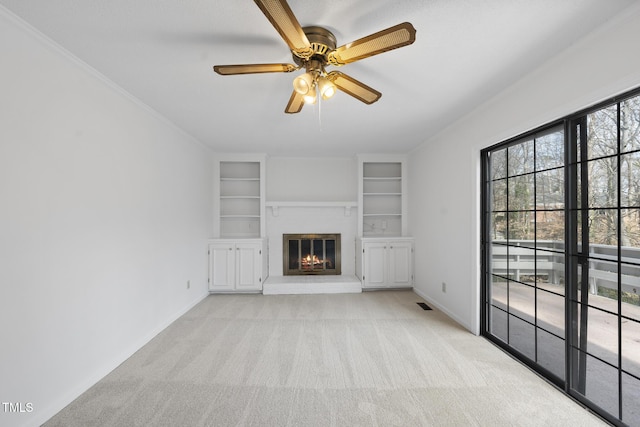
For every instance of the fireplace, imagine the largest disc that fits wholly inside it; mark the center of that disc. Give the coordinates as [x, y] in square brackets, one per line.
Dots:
[305, 254]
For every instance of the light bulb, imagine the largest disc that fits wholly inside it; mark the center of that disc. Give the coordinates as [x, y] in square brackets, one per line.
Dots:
[303, 83]
[310, 97]
[326, 87]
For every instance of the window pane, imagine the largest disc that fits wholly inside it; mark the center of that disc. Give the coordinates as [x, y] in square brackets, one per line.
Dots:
[499, 259]
[551, 353]
[630, 285]
[522, 337]
[631, 232]
[550, 271]
[603, 183]
[630, 180]
[498, 162]
[522, 300]
[499, 195]
[602, 132]
[549, 226]
[630, 398]
[602, 335]
[631, 347]
[520, 158]
[603, 227]
[550, 150]
[498, 292]
[602, 385]
[498, 226]
[498, 322]
[550, 189]
[551, 312]
[521, 193]
[522, 228]
[603, 281]
[521, 264]
[630, 124]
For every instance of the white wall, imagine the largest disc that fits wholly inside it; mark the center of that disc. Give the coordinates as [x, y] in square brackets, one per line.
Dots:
[105, 212]
[444, 176]
[325, 179]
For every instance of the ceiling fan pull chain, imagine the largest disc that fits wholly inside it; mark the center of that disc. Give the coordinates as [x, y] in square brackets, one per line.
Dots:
[320, 113]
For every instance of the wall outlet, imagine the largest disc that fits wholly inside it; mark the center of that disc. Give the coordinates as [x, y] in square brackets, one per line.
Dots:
[188, 284]
[444, 287]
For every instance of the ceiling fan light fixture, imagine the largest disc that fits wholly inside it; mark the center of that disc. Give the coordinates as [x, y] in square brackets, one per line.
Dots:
[303, 83]
[326, 87]
[310, 97]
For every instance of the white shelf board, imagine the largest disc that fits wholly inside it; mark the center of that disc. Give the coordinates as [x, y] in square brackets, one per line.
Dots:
[275, 205]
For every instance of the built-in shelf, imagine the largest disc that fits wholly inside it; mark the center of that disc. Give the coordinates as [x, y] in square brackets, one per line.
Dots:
[382, 178]
[381, 195]
[238, 179]
[240, 196]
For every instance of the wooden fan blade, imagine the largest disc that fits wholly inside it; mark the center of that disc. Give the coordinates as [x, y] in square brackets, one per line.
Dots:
[296, 102]
[227, 70]
[392, 38]
[285, 22]
[354, 88]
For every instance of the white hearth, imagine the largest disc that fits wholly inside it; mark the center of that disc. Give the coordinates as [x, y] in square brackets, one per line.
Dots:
[283, 285]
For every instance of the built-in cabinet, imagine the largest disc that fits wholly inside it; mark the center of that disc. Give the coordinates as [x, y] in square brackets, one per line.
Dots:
[385, 262]
[382, 195]
[237, 265]
[238, 252]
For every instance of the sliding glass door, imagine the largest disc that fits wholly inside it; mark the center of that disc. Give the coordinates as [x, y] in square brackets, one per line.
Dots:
[561, 254]
[604, 309]
[524, 281]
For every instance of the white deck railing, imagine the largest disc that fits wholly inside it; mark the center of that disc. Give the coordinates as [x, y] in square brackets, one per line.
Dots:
[520, 260]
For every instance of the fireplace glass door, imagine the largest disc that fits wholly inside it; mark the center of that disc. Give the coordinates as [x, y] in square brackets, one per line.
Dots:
[311, 254]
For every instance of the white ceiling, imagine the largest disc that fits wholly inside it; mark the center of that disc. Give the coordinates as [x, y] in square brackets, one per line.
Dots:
[162, 52]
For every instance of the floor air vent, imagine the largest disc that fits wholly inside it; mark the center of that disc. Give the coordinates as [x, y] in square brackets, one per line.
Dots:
[424, 306]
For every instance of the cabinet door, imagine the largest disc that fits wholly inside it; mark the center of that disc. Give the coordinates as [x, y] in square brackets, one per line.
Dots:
[248, 266]
[375, 265]
[400, 264]
[221, 267]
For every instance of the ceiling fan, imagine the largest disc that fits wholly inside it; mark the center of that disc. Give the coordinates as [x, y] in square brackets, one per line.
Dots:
[314, 48]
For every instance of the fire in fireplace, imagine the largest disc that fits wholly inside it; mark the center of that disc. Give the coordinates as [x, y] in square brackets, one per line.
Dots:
[304, 254]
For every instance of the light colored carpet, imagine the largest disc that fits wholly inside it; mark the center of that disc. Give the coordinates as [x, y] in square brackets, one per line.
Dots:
[370, 359]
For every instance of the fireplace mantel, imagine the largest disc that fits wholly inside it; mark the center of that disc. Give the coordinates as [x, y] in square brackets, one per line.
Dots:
[306, 204]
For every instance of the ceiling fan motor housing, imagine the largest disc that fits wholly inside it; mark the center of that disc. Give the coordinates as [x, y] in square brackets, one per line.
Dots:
[322, 42]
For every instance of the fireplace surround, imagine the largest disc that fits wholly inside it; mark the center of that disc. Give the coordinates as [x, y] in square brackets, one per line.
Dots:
[311, 254]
